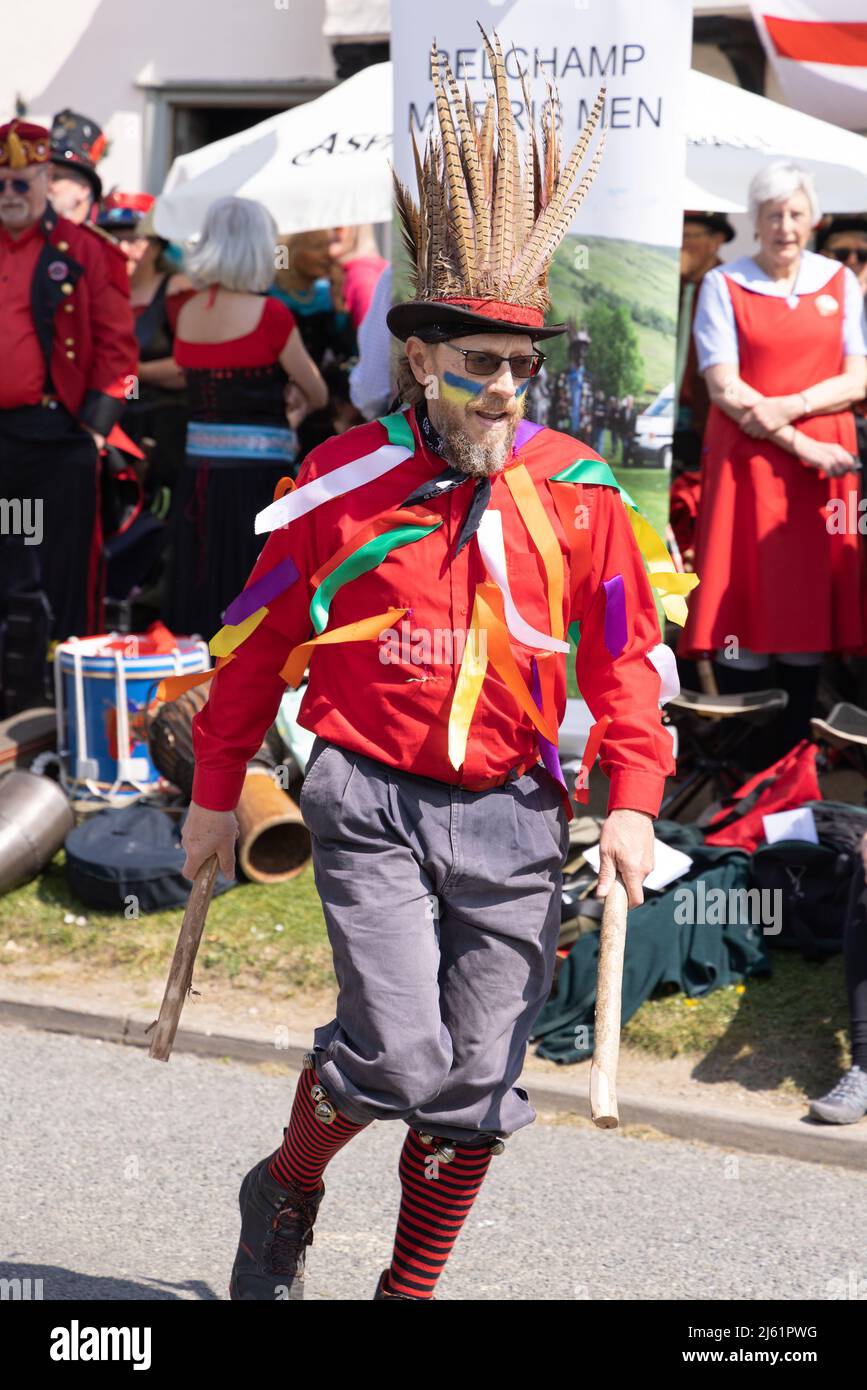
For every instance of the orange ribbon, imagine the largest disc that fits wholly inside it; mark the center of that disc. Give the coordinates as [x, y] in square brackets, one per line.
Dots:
[296, 663]
[591, 749]
[172, 686]
[543, 536]
[492, 619]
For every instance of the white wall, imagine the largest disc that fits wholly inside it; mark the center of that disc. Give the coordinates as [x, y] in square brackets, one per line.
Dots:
[89, 55]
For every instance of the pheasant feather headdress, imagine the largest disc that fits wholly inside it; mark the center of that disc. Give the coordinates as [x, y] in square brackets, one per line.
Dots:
[486, 224]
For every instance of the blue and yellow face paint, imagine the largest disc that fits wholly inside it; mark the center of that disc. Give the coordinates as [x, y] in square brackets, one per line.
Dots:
[460, 390]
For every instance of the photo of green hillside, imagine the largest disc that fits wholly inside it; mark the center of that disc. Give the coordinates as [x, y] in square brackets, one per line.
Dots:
[642, 280]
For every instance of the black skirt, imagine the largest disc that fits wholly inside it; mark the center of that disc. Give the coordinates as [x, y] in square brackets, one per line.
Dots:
[213, 544]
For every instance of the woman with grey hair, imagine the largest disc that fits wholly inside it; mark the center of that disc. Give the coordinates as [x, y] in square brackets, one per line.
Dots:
[250, 383]
[782, 343]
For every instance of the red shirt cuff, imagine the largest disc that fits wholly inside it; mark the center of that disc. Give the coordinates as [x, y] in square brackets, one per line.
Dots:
[217, 790]
[636, 791]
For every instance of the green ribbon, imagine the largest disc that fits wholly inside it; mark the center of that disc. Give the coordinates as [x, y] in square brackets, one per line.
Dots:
[593, 471]
[365, 558]
[397, 427]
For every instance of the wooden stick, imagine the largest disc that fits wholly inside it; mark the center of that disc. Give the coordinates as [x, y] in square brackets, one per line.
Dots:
[606, 1040]
[181, 971]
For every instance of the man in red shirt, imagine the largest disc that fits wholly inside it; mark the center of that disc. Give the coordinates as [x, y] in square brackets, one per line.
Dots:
[69, 352]
[427, 567]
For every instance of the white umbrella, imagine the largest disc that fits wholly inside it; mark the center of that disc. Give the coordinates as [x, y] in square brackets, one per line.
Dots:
[327, 163]
[322, 164]
[732, 133]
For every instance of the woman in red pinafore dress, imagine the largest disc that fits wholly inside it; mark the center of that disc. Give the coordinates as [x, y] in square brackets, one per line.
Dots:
[239, 349]
[781, 340]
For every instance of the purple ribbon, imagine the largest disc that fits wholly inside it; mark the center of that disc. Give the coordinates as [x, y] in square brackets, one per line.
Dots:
[524, 433]
[615, 615]
[548, 750]
[261, 591]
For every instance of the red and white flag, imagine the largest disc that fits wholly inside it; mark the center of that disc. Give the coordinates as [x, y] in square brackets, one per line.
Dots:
[818, 49]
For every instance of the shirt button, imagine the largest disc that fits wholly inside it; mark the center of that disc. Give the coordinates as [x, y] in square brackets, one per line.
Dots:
[70, 308]
[67, 289]
[71, 354]
[70, 342]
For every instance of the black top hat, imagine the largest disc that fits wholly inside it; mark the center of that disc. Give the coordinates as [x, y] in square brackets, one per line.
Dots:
[77, 142]
[437, 321]
[714, 221]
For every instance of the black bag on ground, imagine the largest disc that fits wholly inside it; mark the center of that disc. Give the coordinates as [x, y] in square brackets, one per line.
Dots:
[813, 880]
[134, 850]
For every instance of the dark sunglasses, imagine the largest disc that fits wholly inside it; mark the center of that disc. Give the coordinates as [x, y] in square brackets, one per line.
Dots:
[842, 253]
[18, 185]
[487, 363]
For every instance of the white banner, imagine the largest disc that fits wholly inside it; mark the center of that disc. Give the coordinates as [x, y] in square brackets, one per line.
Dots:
[614, 279]
[642, 53]
[818, 50]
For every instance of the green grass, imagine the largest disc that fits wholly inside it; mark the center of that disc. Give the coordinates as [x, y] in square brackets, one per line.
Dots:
[788, 1032]
[240, 942]
[649, 489]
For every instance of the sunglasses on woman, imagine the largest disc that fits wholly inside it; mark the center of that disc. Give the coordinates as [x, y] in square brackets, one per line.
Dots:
[487, 363]
[842, 253]
[18, 185]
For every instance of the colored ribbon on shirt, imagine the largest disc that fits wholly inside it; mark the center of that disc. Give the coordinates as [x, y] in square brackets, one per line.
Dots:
[362, 559]
[591, 750]
[492, 620]
[550, 755]
[231, 636]
[492, 547]
[473, 668]
[346, 478]
[170, 687]
[543, 536]
[262, 591]
[489, 618]
[296, 663]
[670, 585]
[616, 630]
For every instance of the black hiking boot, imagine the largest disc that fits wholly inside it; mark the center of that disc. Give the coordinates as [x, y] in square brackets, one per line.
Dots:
[276, 1228]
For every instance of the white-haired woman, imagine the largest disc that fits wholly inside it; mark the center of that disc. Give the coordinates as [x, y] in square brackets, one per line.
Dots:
[239, 348]
[781, 342]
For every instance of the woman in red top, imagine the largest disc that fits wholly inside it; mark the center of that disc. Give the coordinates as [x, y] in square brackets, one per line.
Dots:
[239, 350]
[781, 342]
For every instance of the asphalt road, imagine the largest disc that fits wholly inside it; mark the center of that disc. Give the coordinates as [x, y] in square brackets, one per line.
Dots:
[119, 1179]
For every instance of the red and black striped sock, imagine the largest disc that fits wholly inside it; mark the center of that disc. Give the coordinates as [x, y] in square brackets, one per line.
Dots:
[432, 1211]
[308, 1144]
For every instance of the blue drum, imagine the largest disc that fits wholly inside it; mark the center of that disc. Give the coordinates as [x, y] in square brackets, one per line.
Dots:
[105, 688]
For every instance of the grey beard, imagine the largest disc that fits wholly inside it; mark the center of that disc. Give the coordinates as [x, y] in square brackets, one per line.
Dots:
[477, 460]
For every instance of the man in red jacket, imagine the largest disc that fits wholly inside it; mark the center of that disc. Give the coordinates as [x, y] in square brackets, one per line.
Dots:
[427, 567]
[69, 355]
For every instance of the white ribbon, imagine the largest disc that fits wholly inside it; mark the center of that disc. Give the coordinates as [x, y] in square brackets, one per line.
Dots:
[664, 662]
[334, 484]
[490, 538]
